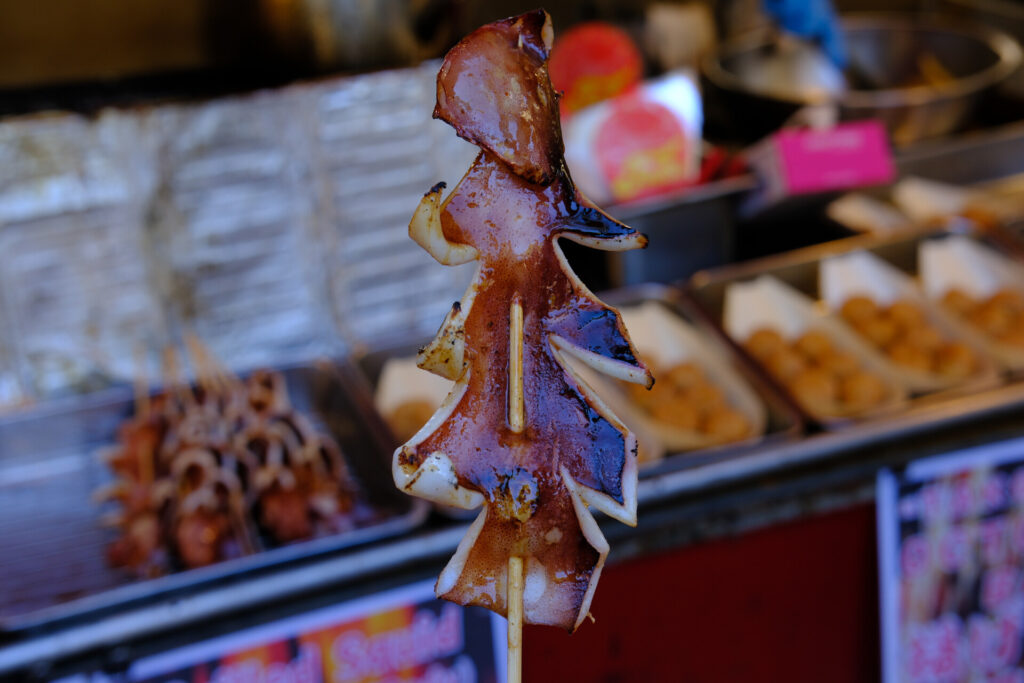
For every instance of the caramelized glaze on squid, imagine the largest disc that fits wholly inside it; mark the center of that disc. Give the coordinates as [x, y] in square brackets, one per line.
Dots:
[520, 434]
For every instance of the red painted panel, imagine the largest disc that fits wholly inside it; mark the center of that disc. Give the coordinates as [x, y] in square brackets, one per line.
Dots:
[794, 602]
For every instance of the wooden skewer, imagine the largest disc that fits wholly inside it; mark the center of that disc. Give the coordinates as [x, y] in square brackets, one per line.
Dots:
[515, 620]
[220, 378]
[140, 385]
[516, 417]
[172, 377]
[206, 372]
[199, 366]
[147, 457]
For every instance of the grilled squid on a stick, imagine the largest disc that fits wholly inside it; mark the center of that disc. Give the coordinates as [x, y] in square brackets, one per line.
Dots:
[520, 434]
[208, 519]
[200, 467]
[301, 483]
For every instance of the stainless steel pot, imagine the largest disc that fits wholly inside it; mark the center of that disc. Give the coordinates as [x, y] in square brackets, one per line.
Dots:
[1005, 15]
[884, 53]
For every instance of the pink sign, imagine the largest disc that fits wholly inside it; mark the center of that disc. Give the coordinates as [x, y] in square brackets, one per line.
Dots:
[849, 155]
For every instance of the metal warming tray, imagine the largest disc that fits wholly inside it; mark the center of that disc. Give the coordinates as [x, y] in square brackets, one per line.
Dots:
[800, 269]
[53, 569]
[783, 421]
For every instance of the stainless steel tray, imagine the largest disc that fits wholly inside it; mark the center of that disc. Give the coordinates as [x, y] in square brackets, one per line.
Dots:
[53, 567]
[784, 422]
[799, 269]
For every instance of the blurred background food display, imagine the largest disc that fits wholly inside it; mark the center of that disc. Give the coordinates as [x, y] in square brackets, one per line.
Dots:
[833, 194]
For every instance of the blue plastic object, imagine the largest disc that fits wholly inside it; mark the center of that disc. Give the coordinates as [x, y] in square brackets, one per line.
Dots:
[814, 20]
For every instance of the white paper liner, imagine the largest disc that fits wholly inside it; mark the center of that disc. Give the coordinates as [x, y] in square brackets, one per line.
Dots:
[767, 302]
[861, 273]
[401, 381]
[918, 202]
[1002, 198]
[929, 200]
[664, 340]
[862, 213]
[960, 263]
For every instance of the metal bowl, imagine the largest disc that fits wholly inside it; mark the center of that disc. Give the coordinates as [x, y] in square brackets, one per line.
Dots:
[884, 55]
[1006, 15]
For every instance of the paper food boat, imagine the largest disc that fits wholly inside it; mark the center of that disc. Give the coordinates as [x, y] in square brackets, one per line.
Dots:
[861, 273]
[920, 203]
[767, 302]
[960, 263]
[664, 340]
[863, 213]
[401, 381]
[928, 201]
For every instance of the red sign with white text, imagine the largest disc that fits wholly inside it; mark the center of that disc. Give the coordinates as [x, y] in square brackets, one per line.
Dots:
[401, 635]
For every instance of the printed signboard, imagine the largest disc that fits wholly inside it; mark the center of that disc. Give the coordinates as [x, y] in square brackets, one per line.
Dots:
[951, 555]
[401, 635]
